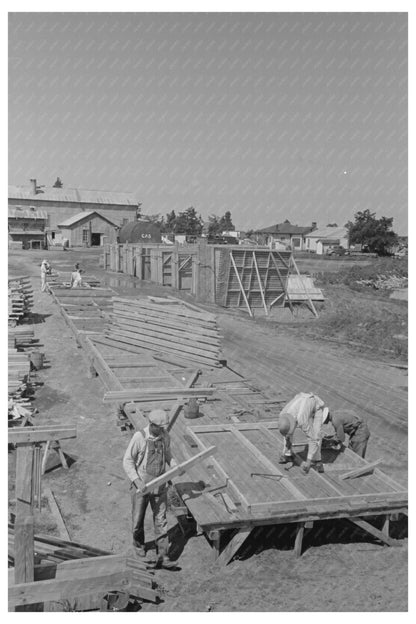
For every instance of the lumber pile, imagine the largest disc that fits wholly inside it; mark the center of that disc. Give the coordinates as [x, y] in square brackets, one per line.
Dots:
[79, 574]
[18, 372]
[20, 299]
[165, 326]
[21, 336]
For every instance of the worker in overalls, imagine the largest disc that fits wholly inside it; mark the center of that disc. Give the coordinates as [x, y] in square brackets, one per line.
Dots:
[355, 427]
[146, 458]
[45, 270]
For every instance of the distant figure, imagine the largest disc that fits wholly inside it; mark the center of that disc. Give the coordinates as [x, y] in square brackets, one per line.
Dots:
[308, 412]
[45, 270]
[355, 427]
[76, 278]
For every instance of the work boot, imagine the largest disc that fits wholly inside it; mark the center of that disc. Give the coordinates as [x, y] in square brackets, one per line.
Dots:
[139, 550]
[285, 459]
[318, 466]
[167, 564]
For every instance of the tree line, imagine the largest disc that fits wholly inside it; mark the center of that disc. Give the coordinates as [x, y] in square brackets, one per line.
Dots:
[189, 222]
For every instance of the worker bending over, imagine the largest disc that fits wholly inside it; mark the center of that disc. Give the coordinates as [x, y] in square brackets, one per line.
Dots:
[144, 460]
[308, 412]
[355, 427]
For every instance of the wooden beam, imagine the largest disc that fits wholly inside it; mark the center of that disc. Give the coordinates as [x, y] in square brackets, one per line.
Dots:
[362, 470]
[29, 435]
[366, 526]
[137, 394]
[300, 530]
[233, 546]
[241, 285]
[53, 505]
[177, 470]
[260, 284]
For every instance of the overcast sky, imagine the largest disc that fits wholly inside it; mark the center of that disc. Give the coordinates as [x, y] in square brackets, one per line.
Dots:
[271, 116]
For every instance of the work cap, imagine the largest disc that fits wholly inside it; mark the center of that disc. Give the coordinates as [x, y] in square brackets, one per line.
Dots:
[325, 414]
[159, 417]
[287, 424]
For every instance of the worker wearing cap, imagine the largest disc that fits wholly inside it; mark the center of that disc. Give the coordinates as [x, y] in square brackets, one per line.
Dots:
[308, 412]
[355, 427]
[145, 459]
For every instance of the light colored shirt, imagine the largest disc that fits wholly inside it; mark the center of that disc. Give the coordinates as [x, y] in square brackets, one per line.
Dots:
[135, 457]
[307, 410]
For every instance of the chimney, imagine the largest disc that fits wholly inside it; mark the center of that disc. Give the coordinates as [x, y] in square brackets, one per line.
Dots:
[33, 185]
[314, 225]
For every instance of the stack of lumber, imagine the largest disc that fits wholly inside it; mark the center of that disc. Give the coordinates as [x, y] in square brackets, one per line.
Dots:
[167, 326]
[18, 372]
[20, 300]
[21, 336]
[66, 570]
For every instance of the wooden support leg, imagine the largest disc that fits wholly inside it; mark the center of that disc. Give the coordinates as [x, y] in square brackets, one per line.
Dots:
[61, 456]
[366, 526]
[215, 536]
[299, 538]
[386, 525]
[233, 546]
[45, 456]
[24, 556]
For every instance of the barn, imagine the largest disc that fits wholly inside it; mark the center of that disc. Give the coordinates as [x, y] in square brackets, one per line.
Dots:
[88, 229]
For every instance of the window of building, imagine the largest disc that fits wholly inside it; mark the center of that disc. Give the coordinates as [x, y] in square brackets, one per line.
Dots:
[296, 242]
[53, 235]
[85, 236]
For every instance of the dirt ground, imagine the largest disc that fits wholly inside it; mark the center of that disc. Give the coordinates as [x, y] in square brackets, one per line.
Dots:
[340, 570]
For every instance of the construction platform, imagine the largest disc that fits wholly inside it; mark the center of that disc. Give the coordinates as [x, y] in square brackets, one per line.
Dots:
[242, 486]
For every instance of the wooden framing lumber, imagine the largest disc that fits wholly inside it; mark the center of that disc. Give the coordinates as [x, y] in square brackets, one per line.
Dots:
[177, 470]
[53, 505]
[362, 470]
[369, 528]
[233, 546]
[174, 412]
[241, 285]
[28, 435]
[138, 394]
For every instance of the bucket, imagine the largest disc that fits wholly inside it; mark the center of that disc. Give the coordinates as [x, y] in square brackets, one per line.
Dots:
[36, 358]
[191, 409]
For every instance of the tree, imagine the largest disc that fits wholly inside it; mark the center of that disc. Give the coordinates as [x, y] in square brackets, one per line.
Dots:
[332, 225]
[226, 223]
[58, 183]
[214, 228]
[188, 222]
[376, 233]
[170, 222]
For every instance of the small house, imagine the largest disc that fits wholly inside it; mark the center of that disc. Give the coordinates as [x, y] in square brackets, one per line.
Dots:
[284, 234]
[27, 225]
[86, 229]
[320, 240]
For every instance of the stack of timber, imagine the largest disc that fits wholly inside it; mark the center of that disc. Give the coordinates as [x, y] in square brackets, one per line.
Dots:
[21, 337]
[18, 372]
[80, 575]
[20, 300]
[167, 326]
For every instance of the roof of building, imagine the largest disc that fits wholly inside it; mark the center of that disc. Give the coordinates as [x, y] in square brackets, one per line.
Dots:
[328, 232]
[79, 196]
[285, 228]
[80, 216]
[26, 233]
[18, 212]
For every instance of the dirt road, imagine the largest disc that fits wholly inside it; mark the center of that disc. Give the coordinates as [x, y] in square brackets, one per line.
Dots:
[341, 569]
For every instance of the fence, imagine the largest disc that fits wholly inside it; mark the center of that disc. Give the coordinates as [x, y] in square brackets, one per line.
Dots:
[229, 275]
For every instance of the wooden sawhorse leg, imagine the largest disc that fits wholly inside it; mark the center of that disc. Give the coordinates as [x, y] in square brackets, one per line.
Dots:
[233, 546]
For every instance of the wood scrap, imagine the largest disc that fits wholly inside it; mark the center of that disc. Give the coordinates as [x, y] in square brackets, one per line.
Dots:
[362, 470]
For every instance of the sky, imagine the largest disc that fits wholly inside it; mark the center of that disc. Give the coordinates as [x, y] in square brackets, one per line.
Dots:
[272, 116]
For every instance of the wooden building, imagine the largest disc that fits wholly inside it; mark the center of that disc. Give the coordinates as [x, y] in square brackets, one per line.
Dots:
[287, 234]
[63, 203]
[27, 226]
[87, 229]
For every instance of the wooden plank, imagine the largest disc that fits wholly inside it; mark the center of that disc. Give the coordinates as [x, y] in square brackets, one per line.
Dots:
[177, 470]
[175, 410]
[240, 284]
[300, 530]
[63, 531]
[362, 470]
[99, 358]
[268, 464]
[366, 526]
[137, 394]
[27, 435]
[42, 591]
[233, 546]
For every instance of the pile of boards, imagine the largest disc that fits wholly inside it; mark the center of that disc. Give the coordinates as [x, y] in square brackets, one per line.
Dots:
[166, 326]
[20, 345]
[20, 299]
[97, 572]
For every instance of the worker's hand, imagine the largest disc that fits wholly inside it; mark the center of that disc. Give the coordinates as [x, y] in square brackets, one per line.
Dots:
[139, 485]
[337, 446]
[306, 466]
